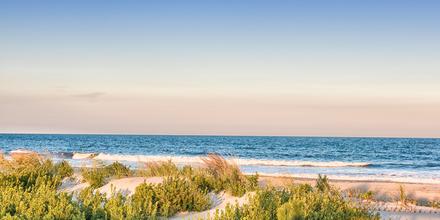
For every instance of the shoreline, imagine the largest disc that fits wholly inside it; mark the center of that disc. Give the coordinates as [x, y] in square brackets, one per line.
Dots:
[339, 180]
[383, 190]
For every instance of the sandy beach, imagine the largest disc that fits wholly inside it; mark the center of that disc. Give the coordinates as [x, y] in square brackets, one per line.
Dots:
[384, 191]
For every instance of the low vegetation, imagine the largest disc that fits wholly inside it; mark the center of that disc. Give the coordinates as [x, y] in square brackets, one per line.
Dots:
[297, 202]
[98, 176]
[29, 190]
[435, 204]
[217, 174]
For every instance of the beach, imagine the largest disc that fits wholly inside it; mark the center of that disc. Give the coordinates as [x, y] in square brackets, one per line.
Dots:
[400, 182]
[385, 191]
[385, 200]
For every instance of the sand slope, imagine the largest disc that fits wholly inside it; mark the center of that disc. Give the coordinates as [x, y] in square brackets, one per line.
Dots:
[127, 185]
[218, 201]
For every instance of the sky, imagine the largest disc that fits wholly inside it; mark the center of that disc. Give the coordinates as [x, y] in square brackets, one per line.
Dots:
[299, 68]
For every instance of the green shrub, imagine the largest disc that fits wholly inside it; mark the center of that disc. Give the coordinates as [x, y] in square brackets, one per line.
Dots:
[92, 204]
[24, 171]
[63, 169]
[173, 195]
[227, 176]
[96, 177]
[434, 204]
[39, 202]
[297, 202]
[28, 191]
[118, 170]
[116, 207]
[159, 169]
[322, 183]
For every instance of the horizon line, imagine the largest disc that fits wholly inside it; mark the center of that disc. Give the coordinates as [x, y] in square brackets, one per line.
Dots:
[216, 135]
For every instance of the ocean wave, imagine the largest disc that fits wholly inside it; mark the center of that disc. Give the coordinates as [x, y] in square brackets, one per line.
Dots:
[239, 161]
[83, 155]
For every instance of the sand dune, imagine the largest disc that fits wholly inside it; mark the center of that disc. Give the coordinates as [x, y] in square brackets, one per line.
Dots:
[386, 193]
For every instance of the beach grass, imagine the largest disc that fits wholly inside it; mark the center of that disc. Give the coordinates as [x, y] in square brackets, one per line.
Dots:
[29, 189]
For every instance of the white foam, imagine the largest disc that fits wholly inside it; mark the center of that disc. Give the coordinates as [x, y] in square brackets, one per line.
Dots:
[336, 172]
[21, 151]
[83, 155]
[296, 163]
[147, 158]
[248, 162]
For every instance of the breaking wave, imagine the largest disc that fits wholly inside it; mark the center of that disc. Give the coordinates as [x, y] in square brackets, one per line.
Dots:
[197, 159]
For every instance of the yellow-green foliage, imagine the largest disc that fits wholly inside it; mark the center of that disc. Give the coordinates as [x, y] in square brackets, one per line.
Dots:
[227, 176]
[97, 176]
[322, 183]
[24, 170]
[173, 195]
[402, 195]
[39, 202]
[118, 170]
[28, 190]
[159, 169]
[63, 169]
[435, 204]
[149, 201]
[217, 175]
[363, 195]
[297, 202]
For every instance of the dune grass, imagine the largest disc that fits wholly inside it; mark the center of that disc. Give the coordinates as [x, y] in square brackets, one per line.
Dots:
[29, 190]
[97, 176]
[217, 174]
[297, 202]
[154, 168]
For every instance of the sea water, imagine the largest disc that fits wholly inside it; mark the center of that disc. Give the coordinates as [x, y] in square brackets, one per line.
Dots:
[375, 159]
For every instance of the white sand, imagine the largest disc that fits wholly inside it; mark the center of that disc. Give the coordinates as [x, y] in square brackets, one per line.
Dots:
[384, 191]
[73, 184]
[127, 185]
[408, 216]
[218, 201]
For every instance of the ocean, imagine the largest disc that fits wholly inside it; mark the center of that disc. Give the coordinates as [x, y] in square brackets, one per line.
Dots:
[414, 160]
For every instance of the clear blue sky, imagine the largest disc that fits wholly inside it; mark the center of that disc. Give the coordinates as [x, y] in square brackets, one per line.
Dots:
[345, 68]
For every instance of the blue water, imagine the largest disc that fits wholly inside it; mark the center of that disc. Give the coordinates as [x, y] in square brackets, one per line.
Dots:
[393, 159]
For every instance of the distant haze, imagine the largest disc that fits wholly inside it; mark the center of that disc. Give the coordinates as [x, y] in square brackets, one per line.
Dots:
[321, 68]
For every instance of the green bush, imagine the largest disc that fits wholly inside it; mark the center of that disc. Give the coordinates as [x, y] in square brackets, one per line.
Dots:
[39, 202]
[173, 195]
[28, 190]
[118, 170]
[63, 169]
[227, 176]
[297, 202]
[96, 177]
[92, 204]
[159, 169]
[322, 183]
[435, 204]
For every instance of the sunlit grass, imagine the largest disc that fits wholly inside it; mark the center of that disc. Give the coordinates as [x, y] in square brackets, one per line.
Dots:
[29, 190]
